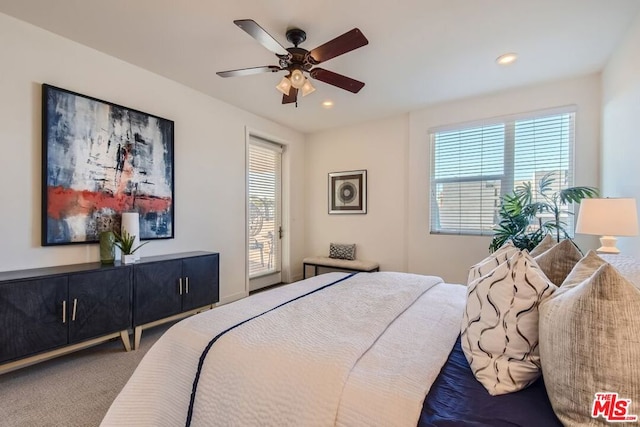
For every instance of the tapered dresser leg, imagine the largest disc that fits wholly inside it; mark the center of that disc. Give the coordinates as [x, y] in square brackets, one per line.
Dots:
[124, 335]
[137, 334]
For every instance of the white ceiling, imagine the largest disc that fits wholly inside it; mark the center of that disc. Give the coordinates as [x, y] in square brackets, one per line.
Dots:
[420, 52]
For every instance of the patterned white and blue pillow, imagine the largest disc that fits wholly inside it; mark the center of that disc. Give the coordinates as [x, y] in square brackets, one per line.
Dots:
[505, 252]
[500, 324]
[342, 251]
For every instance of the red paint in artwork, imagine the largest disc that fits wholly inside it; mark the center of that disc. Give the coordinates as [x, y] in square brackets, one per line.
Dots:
[63, 202]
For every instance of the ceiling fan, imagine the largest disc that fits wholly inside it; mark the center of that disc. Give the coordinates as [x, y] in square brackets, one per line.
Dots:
[298, 61]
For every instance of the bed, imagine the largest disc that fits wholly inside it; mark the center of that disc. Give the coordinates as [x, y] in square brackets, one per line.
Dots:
[335, 349]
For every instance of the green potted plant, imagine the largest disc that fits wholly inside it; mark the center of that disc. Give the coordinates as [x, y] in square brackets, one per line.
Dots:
[529, 213]
[125, 242]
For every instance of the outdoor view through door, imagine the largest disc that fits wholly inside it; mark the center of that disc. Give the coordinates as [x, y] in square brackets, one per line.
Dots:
[264, 224]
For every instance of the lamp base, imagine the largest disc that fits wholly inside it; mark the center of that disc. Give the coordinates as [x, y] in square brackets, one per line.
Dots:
[608, 245]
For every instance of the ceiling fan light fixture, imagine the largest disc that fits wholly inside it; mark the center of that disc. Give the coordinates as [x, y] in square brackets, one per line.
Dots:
[307, 88]
[297, 78]
[284, 86]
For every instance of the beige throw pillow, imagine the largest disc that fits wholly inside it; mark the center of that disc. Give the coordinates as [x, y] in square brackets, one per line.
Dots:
[582, 270]
[558, 261]
[500, 324]
[590, 343]
[492, 261]
[547, 243]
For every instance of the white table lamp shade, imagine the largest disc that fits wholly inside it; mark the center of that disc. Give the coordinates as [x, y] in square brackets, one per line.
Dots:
[131, 224]
[608, 218]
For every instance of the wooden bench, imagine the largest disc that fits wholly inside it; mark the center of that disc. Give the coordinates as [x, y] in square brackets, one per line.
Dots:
[338, 264]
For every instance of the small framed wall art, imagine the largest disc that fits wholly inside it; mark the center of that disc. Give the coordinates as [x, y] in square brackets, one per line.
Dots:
[348, 192]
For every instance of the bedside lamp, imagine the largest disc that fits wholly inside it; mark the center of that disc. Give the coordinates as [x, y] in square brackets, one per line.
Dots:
[608, 218]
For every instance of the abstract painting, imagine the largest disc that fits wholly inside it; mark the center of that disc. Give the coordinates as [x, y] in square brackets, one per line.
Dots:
[99, 160]
[348, 192]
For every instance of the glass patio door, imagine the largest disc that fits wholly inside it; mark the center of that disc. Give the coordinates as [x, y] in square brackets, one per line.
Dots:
[264, 213]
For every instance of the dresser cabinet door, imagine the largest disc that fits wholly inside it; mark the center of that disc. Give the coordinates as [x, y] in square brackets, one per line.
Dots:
[31, 317]
[202, 275]
[101, 301]
[156, 291]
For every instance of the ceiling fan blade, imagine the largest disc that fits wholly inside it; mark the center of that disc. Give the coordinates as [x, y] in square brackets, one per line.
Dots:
[257, 32]
[292, 97]
[249, 71]
[335, 79]
[342, 44]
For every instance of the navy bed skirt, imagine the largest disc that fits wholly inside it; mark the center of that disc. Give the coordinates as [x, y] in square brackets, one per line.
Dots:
[458, 399]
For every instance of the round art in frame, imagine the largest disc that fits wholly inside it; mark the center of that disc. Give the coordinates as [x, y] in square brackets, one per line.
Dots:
[348, 192]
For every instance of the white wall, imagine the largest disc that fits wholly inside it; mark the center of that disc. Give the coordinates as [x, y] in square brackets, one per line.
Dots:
[395, 151]
[620, 126]
[209, 150]
[380, 147]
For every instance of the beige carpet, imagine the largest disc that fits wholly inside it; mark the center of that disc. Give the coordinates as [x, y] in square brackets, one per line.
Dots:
[72, 390]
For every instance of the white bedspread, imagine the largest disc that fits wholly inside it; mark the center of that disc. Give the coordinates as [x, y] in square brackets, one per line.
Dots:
[361, 352]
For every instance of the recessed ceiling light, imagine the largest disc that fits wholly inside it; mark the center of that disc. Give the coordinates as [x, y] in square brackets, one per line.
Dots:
[507, 58]
[327, 104]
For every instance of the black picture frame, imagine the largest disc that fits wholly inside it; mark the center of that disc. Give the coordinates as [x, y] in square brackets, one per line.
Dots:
[348, 192]
[100, 159]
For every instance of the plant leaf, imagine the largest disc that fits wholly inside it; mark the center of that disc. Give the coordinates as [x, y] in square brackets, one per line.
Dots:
[576, 194]
[139, 246]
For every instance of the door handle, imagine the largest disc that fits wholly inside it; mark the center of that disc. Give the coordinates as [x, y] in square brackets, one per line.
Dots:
[64, 311]
[186, 280]
[180, 286]
[73, 310]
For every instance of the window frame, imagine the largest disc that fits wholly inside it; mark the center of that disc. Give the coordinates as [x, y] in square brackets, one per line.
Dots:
[507, 178]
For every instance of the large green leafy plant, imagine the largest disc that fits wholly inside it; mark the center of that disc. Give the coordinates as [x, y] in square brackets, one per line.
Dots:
[530, 213]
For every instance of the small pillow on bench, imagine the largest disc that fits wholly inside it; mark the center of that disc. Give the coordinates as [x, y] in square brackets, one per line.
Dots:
[342, 251]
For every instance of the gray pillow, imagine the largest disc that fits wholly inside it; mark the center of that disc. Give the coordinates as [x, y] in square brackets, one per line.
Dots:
[547, 243]
[589, 343]
[342, 251]
[558, 261]
[583, 270]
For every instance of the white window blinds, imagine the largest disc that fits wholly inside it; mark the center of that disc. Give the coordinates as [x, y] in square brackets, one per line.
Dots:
[473, 165]
[265, 160]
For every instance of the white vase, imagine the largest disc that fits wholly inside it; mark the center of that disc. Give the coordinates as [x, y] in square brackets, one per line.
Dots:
[128, 259]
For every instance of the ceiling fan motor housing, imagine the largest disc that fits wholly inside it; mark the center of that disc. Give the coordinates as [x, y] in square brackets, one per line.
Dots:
[296, 36]
[298, 58]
